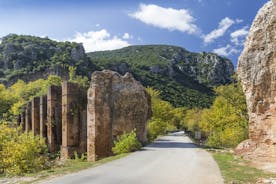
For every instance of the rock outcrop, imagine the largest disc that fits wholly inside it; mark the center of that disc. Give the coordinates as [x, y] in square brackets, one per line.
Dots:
[116, 104]
[257, 71]
[29, 58]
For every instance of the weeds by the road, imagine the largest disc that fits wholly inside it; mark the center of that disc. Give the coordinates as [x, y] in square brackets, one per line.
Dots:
[66, 167]
[236, 170]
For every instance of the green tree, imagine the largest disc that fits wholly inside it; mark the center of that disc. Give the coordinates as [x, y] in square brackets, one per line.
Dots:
[7, 99]
[15, 97]
[226, 122]
[162, 117]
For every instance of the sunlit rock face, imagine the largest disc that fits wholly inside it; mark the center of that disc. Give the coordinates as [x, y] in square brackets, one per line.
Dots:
[257, 72]
[116, 104]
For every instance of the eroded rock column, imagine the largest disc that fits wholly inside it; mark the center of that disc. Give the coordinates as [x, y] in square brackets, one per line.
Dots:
[257, 71]
[73, 120]
[54, 135]
[116, 104]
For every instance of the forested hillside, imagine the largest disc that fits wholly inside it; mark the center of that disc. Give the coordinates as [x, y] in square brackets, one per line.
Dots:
[184, 78]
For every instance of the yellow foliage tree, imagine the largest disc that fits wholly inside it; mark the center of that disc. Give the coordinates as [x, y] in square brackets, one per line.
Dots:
[226, 122]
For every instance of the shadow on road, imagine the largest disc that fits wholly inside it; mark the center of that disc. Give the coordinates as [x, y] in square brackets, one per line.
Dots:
[170, 144]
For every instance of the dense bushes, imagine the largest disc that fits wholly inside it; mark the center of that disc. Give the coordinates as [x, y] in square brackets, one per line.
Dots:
[16, 96]
[226, 122]
[126, 143]
[162, 116]
[20, 152]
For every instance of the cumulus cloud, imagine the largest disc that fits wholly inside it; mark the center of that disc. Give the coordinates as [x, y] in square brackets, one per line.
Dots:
[99, 40]
[166, 18]
[226, 51]
[238, 36]
[126, 36]
[224, 25]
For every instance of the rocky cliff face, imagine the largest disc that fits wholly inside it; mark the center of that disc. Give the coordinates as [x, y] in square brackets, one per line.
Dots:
[116, 104]
[257, 71]
[205, 68]
[29, 58]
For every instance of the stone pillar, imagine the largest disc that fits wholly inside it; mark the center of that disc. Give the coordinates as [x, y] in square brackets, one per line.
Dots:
[23, 120]
[35, 116]
[28, 117]
[116, 104]
[99, 129]
[43, 117]
[54, 118]
[73, 124]
[83, 128]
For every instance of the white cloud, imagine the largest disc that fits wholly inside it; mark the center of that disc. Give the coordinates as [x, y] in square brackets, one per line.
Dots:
[239, 21]
[224, 25]
[97, 25]
[126, 36]
[99, 40]
[166, 18]
[237, 37]
[226, 51]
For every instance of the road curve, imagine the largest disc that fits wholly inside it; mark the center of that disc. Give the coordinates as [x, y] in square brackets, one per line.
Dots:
[172, 159]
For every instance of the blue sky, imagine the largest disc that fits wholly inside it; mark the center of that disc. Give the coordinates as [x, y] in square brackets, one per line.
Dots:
[198, 25]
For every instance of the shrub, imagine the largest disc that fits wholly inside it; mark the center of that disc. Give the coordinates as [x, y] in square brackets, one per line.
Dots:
[20, 152]
[126, 143]
[158, 127]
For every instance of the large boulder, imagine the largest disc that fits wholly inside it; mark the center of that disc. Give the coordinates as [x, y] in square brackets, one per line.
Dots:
[116, 104]
[257, 72]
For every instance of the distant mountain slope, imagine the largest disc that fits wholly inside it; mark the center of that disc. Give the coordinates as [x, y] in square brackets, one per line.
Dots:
[184, 78]
[207, 68]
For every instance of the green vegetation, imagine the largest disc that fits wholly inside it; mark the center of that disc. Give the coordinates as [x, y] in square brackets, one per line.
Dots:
[187, 93]
[20, 152]
[126, 143]
[60, 168]
[225, 124]
[162, 116]
[236, 170]
[12, 99]
[25, 57]
[80, 80]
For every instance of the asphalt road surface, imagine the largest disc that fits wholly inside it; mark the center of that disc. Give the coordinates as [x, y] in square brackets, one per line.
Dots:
[172, 159]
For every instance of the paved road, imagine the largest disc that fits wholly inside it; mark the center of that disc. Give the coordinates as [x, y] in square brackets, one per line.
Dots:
[172, 159]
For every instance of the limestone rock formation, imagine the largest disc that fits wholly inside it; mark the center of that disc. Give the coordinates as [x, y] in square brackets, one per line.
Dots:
[116, 104]
[257, 71]
[30, 58]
